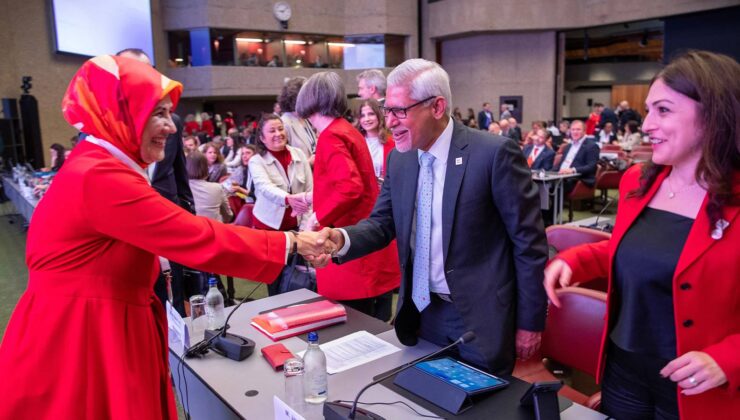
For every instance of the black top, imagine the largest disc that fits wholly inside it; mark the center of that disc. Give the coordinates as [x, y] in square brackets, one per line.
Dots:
[644, 265]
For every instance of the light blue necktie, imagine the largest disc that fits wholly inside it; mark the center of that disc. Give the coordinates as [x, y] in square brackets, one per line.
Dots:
[422, 250]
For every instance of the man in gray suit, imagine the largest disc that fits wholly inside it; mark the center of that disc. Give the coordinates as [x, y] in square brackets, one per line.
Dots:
[465, 213]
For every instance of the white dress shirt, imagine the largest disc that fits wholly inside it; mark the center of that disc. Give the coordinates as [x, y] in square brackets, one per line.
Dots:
[574, 148]
[440, 150]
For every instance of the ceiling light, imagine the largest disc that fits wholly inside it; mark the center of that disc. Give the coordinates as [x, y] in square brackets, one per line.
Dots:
[249, 39]
[341, 44]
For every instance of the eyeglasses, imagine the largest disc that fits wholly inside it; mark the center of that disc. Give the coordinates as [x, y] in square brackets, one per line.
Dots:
[400, 113]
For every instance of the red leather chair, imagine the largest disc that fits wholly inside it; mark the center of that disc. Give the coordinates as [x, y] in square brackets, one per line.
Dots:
[642, 148]
[562, 237]
[579, 193]
[572, 338]
[606, 180]
[639, 157]
[611, 148]
[244, 217]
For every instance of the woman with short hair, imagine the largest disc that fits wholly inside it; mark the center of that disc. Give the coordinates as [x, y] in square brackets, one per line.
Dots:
[344, 193]
[299, 132]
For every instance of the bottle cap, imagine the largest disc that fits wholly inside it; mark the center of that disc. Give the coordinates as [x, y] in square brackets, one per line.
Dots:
[313, 336]
[212, 281]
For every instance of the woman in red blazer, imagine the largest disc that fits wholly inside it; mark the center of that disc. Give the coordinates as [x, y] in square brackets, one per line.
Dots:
[345, 190]
[672, 343]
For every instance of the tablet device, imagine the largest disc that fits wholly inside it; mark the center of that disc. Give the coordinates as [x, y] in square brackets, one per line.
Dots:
[540, 388]
[467, 378]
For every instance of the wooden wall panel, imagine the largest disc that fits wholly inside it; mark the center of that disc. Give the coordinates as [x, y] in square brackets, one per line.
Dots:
[634, 94]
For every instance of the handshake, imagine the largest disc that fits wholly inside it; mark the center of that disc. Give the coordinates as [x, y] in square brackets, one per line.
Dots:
[318, 247]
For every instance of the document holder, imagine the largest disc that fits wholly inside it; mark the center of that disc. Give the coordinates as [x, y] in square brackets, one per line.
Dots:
[434, 390]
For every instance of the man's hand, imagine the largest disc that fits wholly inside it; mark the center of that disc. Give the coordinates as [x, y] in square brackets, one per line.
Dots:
[319, 254]
[527, 343]
[331, 235]
[566, 171]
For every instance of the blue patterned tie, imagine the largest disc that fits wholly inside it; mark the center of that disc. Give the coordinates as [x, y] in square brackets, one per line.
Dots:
[422, 250]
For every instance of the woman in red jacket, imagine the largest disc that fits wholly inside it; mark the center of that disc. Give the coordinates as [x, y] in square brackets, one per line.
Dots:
[345, 190]
[88, 338]
[371, 123]
[671, 347]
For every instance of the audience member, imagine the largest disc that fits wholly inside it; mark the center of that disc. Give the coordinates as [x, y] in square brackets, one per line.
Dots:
[345, 191]
[299, 132]
[632, 136]
[371, 124]
[282, 178]
[538, 155]
[456, 114]
[240, 180]
[627, 114]
[593, 119]
[371, 85]
[206, 125]
[485, 116]
[495, 129]
[505, 112]
[191, 127]
[606, 135]
[504, 124]
[473, 260]
[672, 330]
[56, 157]
[190, 144]
[515, 132]
[229, 121]
[216, 168]
[276, 109]
[210, 198]
[608, 116]
[580, 156]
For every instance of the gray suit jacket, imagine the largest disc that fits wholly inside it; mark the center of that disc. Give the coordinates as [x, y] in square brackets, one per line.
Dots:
[494, 242]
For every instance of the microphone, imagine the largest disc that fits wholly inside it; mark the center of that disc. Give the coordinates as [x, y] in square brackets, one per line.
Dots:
[337, 410]
[609, 202]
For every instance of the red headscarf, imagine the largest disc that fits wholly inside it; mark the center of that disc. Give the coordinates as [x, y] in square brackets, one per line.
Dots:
[112, 97]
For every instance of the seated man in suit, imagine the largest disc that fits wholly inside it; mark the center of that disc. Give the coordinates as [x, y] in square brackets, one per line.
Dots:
[465, 213]
[538, 155]
[580, 156]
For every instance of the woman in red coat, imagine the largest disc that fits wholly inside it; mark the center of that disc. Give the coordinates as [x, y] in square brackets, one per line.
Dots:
[672, 343]
[88, 338]
[345, 190]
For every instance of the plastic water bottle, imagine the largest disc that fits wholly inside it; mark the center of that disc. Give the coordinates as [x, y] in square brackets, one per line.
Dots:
[315, 385]
[214, 305]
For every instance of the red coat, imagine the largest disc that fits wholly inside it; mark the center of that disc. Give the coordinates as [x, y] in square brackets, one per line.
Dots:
[345, 190]
[711, 269]
[88, 338]
[191, 127]
[207, 127]
[387, 147]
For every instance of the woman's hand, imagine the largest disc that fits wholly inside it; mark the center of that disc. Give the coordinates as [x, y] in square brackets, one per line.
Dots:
[298, 203]
[558, 272]
[695, 372]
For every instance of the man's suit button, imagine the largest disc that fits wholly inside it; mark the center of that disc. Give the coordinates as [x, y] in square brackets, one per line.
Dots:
[688, 323]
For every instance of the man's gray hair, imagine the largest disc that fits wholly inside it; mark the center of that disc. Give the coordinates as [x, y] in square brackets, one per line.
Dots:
[423, 78]
[322, 93]
[374, 78]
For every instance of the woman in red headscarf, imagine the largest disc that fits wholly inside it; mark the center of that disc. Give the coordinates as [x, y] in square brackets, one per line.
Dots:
[88, 338]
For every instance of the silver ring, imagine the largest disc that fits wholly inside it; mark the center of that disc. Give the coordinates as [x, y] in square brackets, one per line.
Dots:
[692, 380]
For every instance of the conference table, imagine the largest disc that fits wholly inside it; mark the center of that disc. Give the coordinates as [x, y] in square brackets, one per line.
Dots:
[25, 206]
[551, 185]
[214, 387]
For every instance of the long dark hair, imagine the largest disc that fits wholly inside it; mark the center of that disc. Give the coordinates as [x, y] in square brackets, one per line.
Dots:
[712, 80]
[60, 156]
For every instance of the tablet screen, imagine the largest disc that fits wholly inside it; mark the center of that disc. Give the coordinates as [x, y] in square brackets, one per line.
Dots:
[467, 378]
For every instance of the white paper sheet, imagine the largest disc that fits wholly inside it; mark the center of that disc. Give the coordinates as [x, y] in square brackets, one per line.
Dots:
[354, 350]
[178, 330]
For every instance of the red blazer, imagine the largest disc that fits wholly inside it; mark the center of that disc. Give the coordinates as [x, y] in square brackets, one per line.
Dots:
[387, 147]
[345, 190]
[706, 291]
[207, 126]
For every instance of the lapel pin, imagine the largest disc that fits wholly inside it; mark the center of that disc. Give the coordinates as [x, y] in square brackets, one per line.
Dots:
[719, 229]
[458, 161]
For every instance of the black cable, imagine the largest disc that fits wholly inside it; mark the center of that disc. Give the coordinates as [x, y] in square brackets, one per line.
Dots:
[181, 364]
[392, 403]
